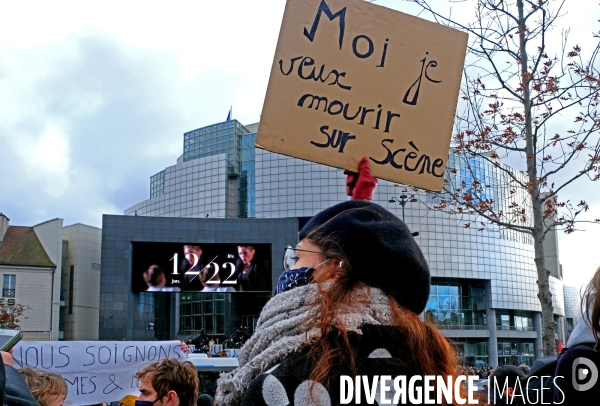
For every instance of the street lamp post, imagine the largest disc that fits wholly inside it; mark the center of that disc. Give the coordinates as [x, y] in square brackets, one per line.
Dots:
[402, 201]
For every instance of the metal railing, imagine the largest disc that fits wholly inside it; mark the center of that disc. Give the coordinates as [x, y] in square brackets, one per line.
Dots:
[481, 327]
[463, 327]
[8, 293]
[515, 328]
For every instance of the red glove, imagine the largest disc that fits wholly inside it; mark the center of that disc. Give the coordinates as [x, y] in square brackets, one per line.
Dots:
[361, 185]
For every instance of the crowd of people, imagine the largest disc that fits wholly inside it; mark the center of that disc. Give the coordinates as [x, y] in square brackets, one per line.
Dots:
[485, 372]
[339, 308]
[167, 382]
[201, 343]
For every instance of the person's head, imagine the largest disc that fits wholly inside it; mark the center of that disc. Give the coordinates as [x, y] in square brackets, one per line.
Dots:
[246, 253]
[360, 243]
[192, 249]
[168, 382]
[155, 276]
[591, 305]
[48, 388]
[204, 400]
[507, 376]
[355, 246]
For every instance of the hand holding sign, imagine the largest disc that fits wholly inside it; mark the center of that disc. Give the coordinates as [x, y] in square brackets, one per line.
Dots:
[361, 185]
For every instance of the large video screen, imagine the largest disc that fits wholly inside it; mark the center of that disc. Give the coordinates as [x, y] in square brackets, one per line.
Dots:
[200, 267]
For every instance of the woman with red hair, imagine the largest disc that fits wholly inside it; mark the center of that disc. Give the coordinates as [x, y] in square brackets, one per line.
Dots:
[347, 303]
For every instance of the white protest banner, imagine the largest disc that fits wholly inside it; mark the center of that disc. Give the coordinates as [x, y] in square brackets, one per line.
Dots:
[352, 79]
[95, 371]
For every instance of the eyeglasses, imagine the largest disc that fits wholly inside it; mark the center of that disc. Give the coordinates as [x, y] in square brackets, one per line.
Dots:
[290, 257]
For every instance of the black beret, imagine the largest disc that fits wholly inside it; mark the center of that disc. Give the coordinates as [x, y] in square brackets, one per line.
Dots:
[380, 248]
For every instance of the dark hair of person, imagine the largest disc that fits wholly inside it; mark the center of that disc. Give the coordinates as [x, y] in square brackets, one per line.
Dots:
[507, 375]
[591, 297]
[436, 355]
[171, 374]
[204, 400]
[154, 275]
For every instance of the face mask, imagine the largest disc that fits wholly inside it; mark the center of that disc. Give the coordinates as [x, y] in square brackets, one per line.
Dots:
[295, 277]
[145, 402]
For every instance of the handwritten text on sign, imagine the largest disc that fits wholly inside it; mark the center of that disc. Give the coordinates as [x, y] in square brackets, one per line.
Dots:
[353, 79]
[95, 371]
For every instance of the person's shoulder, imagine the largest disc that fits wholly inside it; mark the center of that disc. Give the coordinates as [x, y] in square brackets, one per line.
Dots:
[287, 380]
[582, 350]
[17, 392]
[563, 373]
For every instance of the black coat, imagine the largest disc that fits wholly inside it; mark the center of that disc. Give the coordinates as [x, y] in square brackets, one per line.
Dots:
[258, 279]
[564, 368]
[13, 389]
[381, 350]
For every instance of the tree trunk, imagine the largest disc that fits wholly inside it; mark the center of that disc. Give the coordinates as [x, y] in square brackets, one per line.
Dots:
[544, 295]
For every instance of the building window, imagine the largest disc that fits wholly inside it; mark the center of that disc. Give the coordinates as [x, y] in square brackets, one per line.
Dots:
[250, 322]
[157, 184]
[453, 305]
[71, 282]
[514, 320]
[8, 289]
[516, 353]
[473, 353]
[202, 311]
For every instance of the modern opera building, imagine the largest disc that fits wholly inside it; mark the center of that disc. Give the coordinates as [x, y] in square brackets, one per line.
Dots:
[483, 293]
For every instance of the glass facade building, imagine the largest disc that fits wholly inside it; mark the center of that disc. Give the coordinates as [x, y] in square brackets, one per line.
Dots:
[200, 311]
[221, 138]
[157, 184]
[456, 304]
[484, 295]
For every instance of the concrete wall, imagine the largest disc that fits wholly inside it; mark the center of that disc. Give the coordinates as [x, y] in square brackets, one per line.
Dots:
[32, 290]
[552, 255]
[50, 235]
[4, 223]
[80, 320]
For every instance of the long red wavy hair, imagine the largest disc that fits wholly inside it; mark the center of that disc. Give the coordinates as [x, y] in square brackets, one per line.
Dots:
[434, 354]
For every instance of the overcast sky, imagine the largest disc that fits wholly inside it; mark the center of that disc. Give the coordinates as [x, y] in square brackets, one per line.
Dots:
[95, 98]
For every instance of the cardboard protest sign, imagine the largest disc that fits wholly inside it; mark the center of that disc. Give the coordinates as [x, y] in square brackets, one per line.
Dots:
[95, 371]
[353, 79]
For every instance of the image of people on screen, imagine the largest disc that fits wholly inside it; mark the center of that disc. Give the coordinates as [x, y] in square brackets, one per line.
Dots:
[251, 275]
[193, 262]
[212, 281]
[156, 280]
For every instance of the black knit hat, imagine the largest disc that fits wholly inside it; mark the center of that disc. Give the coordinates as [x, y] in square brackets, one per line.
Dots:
[380, 248]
